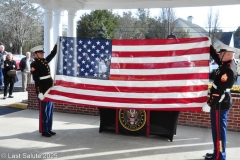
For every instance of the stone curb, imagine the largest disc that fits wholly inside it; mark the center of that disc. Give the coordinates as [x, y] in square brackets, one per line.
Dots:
[17, 105]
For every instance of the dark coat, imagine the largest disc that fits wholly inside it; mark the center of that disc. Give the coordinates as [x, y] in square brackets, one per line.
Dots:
[23, 63]
[9, 65]
[40, 68]
[2, 54]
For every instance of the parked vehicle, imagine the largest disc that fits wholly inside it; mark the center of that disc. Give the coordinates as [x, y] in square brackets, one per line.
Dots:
[17, 58]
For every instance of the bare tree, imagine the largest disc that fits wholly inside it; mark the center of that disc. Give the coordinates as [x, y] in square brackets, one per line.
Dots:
[167, 19]
[213, 25]
[146, 27]
[155, 29]
[21, 23]
[142, 23]
[126, 28]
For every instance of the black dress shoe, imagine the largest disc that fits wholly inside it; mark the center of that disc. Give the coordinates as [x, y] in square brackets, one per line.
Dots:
[46, 134]
[52, 133]
[10, 96]
[210, 158]
[209, 154]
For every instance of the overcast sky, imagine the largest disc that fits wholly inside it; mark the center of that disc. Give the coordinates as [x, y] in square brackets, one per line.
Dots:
[229, 16]
[229, 19]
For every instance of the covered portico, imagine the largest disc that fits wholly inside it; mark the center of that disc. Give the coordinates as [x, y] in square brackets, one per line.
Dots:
[53, 12]
[56, 19]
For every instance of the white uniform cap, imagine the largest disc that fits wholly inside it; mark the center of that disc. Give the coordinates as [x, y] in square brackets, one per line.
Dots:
[225, 48]
[37, 49]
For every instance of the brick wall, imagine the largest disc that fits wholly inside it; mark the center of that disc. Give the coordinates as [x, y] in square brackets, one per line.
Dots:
[68, 108]
[201, 119]
[196, 119]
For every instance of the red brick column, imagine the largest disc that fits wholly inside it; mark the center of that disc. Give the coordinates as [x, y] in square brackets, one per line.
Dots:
[196, 119]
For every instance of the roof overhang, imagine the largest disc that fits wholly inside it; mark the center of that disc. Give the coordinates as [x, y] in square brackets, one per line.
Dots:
[129, 4]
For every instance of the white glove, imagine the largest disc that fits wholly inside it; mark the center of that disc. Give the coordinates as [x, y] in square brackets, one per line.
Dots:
[40, 96]
[58, 39]
[206, 108]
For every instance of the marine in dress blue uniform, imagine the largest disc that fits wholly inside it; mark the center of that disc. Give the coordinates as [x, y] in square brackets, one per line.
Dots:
[220, 99]
[43, 81]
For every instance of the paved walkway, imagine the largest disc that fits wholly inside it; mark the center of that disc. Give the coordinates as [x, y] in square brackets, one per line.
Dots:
[78, 138]
[19, 100]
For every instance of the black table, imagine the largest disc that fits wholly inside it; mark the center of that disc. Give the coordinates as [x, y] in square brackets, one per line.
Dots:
[162, 123]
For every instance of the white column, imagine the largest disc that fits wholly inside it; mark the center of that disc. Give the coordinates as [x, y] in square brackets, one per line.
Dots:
[57, 14]
[57, 19]
[48, 31]
[72, 26]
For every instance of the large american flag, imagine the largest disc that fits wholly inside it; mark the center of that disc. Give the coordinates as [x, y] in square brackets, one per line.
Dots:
[159, 74]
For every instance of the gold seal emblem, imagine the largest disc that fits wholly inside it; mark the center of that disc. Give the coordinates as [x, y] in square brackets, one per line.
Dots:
[132, 120]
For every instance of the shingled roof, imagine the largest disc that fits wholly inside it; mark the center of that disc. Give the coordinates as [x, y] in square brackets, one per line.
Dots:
[201, 32]
[237, 42]
[196, 27]
[226, 37]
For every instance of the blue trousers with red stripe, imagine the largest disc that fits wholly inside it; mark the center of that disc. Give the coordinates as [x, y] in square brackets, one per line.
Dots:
[47, 115]
[223, 132]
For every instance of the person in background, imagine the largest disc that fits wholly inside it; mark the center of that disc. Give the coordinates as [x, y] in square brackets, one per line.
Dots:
[9, 64]
[3, 54]
[25, 69]
[220, 100]
[43, 81]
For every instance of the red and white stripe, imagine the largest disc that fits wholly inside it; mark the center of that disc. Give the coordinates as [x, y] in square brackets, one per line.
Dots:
[167, 74]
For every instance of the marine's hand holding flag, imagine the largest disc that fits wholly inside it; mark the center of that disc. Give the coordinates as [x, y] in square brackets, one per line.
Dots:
[41, 96]
[58, 40]
[206, 108]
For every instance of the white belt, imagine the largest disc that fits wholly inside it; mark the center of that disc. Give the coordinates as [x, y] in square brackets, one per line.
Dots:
[214, 86]
[45, 77]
